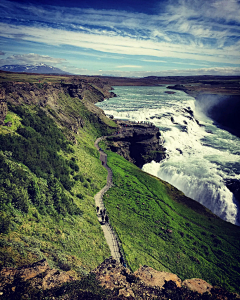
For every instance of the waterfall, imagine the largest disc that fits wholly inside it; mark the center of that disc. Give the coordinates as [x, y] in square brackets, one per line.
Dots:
[200, 156]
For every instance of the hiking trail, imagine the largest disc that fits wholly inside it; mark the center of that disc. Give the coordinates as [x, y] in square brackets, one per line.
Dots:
[109, 234]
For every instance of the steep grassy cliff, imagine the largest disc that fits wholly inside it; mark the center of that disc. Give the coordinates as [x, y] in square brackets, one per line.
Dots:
[50, 172]
[160, 227]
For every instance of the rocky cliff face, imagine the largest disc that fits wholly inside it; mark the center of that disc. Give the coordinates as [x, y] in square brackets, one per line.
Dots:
[139, 143]
[48, 94]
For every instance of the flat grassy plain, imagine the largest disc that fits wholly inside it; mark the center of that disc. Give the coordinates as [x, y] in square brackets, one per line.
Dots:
[157, 227]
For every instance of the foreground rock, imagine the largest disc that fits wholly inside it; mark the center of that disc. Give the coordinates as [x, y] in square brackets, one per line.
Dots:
[197, 285]
[139, 143]
[110, 280]
[39, 275]
[147, 283]
[152, 277]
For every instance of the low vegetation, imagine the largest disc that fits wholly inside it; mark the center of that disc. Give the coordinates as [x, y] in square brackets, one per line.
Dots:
[47, 184]
[49, 174]
[157, 227]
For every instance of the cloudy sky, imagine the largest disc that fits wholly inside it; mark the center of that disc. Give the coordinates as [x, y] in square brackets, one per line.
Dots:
[123, 37]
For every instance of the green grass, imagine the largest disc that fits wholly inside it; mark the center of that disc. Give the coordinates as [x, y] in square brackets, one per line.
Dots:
[47, 215]
[35, 222]
[143, 209]
[69, 242]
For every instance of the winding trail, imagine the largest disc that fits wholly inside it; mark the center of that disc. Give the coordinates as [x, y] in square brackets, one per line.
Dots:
[109, 234]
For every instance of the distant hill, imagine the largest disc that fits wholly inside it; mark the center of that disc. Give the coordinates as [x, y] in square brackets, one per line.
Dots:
[40, 68]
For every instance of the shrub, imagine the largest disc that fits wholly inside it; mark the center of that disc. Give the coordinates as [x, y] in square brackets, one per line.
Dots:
[4, 224]
[38, 143]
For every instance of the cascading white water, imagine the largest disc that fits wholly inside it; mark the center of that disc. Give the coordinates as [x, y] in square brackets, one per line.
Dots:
[200, 155]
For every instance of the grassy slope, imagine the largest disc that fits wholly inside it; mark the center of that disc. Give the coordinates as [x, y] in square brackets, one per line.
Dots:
[142, 208]
[70, 241]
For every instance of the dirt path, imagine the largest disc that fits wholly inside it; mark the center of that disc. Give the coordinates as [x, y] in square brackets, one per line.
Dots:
[106, 227]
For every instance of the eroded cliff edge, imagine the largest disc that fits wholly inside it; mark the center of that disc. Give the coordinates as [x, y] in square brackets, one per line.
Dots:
[139, 143]
[52, 98]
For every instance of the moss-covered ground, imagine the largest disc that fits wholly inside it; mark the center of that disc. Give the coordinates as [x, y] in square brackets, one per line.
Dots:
[157, 227]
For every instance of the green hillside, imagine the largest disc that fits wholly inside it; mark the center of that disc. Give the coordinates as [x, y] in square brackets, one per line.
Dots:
[47, 187]
[50, 172]
[160, 227]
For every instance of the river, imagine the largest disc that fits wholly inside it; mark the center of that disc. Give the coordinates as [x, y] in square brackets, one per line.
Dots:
[201, 157]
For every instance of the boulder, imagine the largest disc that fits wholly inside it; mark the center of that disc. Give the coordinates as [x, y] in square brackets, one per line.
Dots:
[112, 274]
[38, 274]
[156, 278]
[197, 285]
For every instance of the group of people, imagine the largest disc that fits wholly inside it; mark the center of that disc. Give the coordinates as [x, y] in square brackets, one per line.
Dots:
[102, 213]
[104, 216]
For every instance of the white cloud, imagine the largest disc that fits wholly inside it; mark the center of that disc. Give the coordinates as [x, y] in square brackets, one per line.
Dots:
[187, 72]
[205, 30]
[227, 10]
[154, 60]
[202, 19]
[129, 66]
[30, 58]
[117, 44]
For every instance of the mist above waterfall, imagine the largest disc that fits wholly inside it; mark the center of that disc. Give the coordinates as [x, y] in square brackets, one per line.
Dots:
[222, 109]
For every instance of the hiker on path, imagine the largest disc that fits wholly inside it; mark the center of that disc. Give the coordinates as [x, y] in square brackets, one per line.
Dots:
[121, 260]
[102, 218]
[97, 209]
[106, 219]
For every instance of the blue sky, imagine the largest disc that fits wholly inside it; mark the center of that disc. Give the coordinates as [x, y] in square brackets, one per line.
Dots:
[123, 38]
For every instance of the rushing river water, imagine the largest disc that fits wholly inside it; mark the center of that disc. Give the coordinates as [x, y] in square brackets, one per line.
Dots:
[201, 156]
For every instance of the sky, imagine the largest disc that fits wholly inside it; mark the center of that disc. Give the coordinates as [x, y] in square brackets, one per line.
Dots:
[131, 38]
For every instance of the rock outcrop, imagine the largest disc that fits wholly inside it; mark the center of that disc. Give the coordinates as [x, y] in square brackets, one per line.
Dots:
[197, 285]
[38, 281]
[139, 143]
[39, 275]
[152, 277]
[145, 283]
[49, 97]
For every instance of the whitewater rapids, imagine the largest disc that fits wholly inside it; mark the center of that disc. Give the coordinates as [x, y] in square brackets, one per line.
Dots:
[200, 156]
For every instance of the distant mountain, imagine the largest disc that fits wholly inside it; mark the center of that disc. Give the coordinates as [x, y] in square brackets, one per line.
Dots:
[40, 68]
